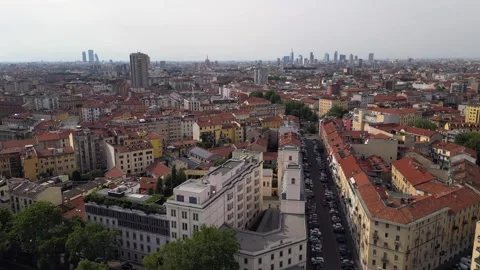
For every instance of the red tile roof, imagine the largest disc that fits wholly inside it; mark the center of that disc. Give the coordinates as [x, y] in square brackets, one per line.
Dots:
[158, 169]
[413, 171]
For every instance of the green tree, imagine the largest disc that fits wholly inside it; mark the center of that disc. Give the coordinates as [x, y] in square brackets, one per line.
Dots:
[256, 94]
[169, 185]
[336, 111]
[88, 265]
[470, 140]
[312, 128]
[76, 176]
[91, 242]
[299, 110]
[209, 248]
[6, 219]
[35, 224]
[150, 191]
[423, 123]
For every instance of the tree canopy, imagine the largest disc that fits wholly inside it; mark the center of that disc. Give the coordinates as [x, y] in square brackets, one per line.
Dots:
[336, 111]
[209, 248]
[270, 95]
[470, 140]
[423, 123]
[299, 110]
[91, 242]
[88, 265]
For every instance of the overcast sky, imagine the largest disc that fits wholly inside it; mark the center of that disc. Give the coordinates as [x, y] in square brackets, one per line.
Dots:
[51, 30]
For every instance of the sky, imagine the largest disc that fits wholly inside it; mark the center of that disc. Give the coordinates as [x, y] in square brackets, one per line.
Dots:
[184, 30]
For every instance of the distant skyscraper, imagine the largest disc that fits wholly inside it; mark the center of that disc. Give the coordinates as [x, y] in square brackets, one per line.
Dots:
[343, 58]
[292, 58]
[286, 59]
[360, 62]
[300, 59]
[326, 57]
[139, 63]
[356, 57]
[96, 58]
[371, 57]
[84, 57]
[312, 59]
[260, 76]
[91, 57]
[335, 57]
[163, 64]
[350, 58]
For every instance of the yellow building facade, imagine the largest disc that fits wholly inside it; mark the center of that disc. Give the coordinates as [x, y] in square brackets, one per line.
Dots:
[325, 104]
[472, 114]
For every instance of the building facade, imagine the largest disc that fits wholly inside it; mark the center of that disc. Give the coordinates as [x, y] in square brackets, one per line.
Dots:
[139, 64]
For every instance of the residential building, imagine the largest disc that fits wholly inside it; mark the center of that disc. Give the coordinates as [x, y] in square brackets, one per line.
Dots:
[89, 149]
[406, 115]
[143, 226]
[24, 193]
[472, 113]
[131, 158]
[420, 223]
[260, 75]
[91, 112]
[450, 153]
[476, 248]
[139, 65]
[326, 103]
[363, 99]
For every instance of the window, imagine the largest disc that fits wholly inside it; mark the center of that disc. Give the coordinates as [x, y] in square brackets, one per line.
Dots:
[300, 257]
[184, 215]
[272, 267]
[289, 251]
[289, 261]
[386, 235]
[134, 236]
[396, 257]
[141, 237]
[281, 264]
[192, 200]
[281, 253]
[374, 262]
[272, 256]
[174, 224]
[180, 198]
[173, 213]
[195, 228]
[184, 236]
[398, 228]
[259, 260]
[293, 181]
[374, 252]
[387, 225]
[195, 216]
[184, 226]
[174, 235]
[289, 157]
[148, 239]
[301, 247]
[245, 261]
[376, 223]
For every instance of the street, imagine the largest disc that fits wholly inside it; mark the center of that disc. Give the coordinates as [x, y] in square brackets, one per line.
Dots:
[330, 245]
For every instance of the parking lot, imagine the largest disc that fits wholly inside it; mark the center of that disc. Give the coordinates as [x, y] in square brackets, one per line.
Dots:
[329, 246]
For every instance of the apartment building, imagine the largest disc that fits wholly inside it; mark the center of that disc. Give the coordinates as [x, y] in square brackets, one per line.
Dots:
[23, 193]
[168, 127]
[143, 225]
[362, 118]
[187, 128]
[89, 149]
[326, 103]
[472, 113]
[420, 223]
[231, 196]
[91, 112]
[450, 153]
[476, 248]
[131, 158]
[405, 115]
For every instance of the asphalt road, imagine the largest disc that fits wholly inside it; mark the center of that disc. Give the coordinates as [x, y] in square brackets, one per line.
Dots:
[330, 246]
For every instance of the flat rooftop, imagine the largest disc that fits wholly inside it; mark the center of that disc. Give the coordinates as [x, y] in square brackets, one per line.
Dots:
[193, 186]
[228, 166]
[288, 228]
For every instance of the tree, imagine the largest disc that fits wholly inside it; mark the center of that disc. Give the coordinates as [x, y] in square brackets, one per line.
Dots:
[88, 265]
[76, 176]
[470, 140]
[312, 128]
[209, 248]
[91, 242]
[6, 219]
[336, 111]
[256, 94]
[150, 191]
[299, 110]
[423, 123]
[168, 189]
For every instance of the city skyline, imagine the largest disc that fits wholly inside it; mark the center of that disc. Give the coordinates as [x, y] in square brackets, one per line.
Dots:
[57, 30]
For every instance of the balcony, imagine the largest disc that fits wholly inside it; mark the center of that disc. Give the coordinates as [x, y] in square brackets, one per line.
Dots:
[385, 259]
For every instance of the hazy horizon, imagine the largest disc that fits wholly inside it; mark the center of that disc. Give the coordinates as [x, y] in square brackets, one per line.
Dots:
[176, 30]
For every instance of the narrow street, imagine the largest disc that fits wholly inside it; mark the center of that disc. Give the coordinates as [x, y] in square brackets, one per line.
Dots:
[330, 246]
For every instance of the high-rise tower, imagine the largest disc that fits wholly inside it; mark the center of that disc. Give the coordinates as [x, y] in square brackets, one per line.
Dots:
[84, 57]
[139, 63]
[91, 57]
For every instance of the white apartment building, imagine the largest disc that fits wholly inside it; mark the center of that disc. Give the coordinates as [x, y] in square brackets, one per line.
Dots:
[140, 233]
[363, 99]
[229, 194]
[46, 102]
[93, 113]
[187, 128]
